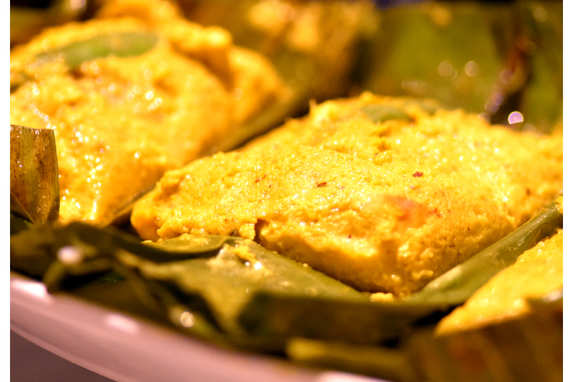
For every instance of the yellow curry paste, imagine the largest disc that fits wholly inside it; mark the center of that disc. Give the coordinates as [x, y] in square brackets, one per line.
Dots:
[382, 193]
[120, 122]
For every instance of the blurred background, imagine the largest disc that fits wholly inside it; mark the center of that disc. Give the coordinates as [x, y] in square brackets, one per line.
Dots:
[502, 59]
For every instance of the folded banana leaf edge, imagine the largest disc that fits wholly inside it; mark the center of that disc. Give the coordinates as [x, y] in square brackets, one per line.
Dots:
[246, 291]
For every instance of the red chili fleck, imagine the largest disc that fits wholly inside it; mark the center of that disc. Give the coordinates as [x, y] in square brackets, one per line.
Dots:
[418, 174]
[321, 184]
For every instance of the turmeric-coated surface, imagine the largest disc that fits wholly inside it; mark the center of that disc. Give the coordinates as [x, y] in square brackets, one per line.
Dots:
[382, 193]
[121, 121]
[535, 274]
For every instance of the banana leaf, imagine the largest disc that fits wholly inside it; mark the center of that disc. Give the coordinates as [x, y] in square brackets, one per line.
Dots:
[34, 187]
[227, 281]
[217, 284]
[528, 348]
[382, 362]
[493, 59]
[446, 51]
[191, 316]
[89, 243]
[71, 257]
[255, 297]
[18, 224]
[349, 320]
[212, 277]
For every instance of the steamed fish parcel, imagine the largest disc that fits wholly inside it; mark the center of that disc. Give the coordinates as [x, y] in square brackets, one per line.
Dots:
[129, 99]
[536, 273]
[384, 194]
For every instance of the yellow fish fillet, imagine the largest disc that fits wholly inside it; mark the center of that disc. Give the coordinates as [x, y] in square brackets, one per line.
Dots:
[382, 193]
[120, 122]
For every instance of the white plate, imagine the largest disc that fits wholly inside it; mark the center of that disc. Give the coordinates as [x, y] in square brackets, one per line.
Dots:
[125, 348]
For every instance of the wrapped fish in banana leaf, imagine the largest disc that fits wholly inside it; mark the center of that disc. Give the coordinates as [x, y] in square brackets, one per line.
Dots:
[384, 194]
[231, 291]
[129, 98]
[525, 348]
[536, 273]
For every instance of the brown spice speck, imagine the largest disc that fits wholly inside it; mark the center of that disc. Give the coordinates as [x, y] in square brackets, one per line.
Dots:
[321, 184]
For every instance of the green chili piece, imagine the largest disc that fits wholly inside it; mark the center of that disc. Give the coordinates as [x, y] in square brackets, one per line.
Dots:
[124, 44]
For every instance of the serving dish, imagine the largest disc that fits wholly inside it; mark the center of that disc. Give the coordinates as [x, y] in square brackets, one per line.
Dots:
[98, 339]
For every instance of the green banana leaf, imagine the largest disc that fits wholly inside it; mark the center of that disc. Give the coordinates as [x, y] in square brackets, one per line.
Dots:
[492, 59]
[347, 320]
[441, 50]
[91, 243]
[18, 224]
[528, 348]
[227, 280]
[213, 276]
[34, 187]
[254, 297]
[382, 362]
[82, 258]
